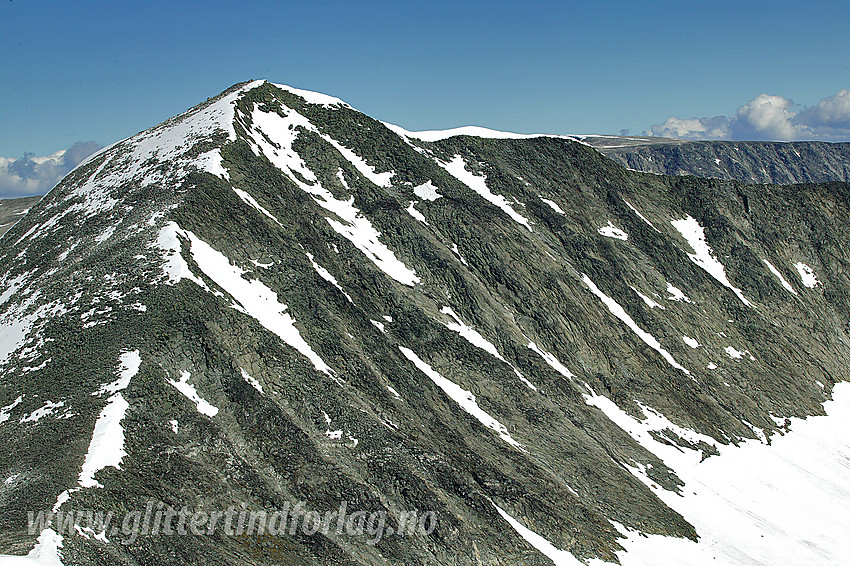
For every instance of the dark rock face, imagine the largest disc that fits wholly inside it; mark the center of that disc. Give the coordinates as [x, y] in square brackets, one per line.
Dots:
[184, 244]
[781, 163]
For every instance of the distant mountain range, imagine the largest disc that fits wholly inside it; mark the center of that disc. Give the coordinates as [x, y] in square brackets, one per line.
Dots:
[12, 210]
[780, 163]
[428, 348]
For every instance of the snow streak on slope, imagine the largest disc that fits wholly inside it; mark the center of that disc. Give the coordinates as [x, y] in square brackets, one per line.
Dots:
[457, 168]
[778, 275]
[641, 216]
[251, 381]
[553, 205]
[649, 302]
[107, 442]
[380, 179]
[551, 360]
[411, 210]
[175, 267]
[702, 256]
[557, 556]
[249, 200]
[462, 397]
[783, 504]
[188, 390]
[354, 226]
[473, 337]
[326, 275]
[252, 297]
[620, 313]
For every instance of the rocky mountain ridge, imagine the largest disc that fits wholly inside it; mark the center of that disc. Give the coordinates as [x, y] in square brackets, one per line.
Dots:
[780, 163]
[274, 298]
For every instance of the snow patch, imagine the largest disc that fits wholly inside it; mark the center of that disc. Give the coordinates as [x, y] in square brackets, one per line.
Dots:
[427, 191]
[457, 169]
[314, 97]
[733, 353]
[326, 275]
[554, 206]
[189, 391]
[694, 234]
[612, 231]
[778, 275]
[45, 553]
[48, 409]
[807, 275]
[253, 382]
[5, 412]
[106, 448]
[780, 505]
[676, 294]
[474, 131]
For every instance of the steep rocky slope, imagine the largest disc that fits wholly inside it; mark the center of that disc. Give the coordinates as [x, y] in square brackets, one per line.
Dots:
[274, 298]
[750, 162]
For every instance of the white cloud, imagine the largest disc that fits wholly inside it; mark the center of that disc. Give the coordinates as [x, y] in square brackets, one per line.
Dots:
[30, 175]
[716, 128]
[768, 117]
[830, 119]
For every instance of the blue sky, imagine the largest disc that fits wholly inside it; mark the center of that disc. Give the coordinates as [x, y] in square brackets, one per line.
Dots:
[79, 71]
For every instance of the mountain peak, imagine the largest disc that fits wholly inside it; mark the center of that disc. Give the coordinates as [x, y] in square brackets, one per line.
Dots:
[275, 301]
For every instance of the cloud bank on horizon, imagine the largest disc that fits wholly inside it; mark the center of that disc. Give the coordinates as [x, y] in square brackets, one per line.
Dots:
[768, 117]
[31, 175]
